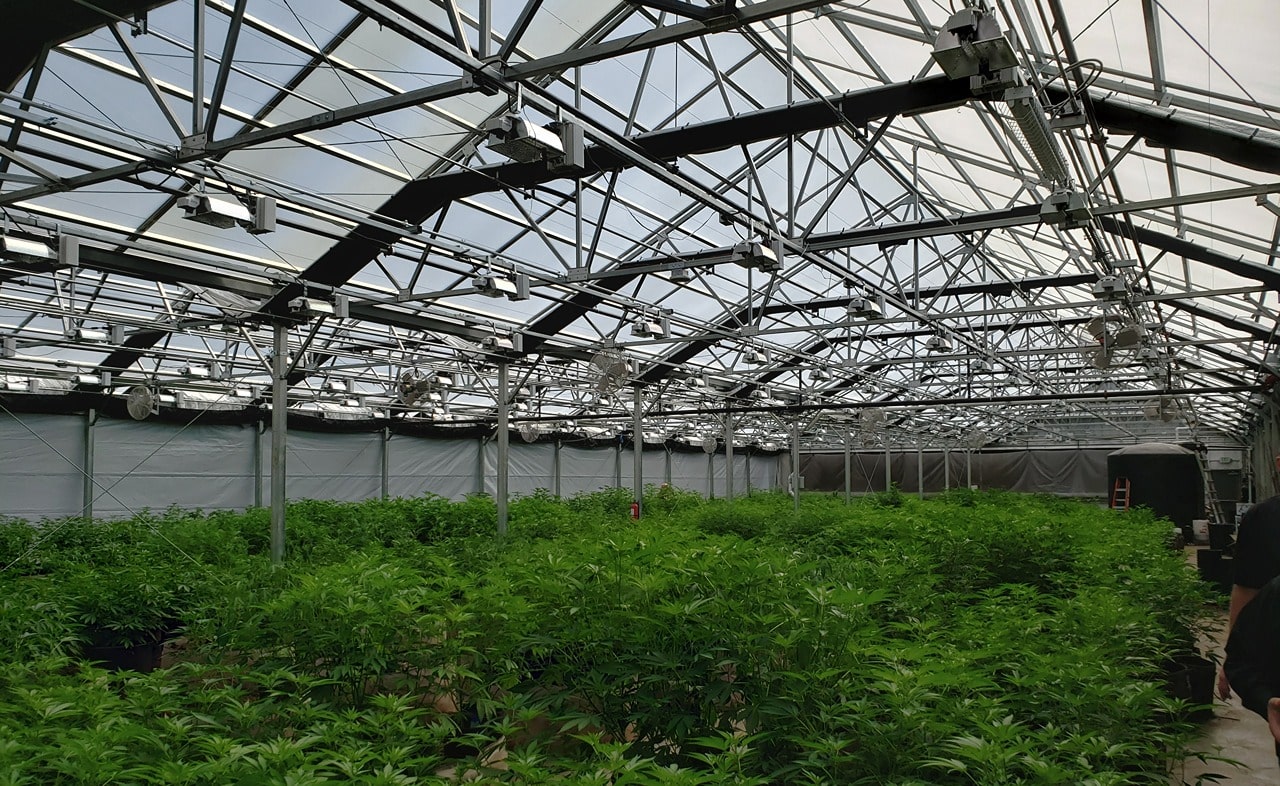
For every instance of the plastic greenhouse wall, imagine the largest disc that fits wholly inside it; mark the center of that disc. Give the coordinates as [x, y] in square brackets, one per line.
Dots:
[152, 464]
[1074, 472]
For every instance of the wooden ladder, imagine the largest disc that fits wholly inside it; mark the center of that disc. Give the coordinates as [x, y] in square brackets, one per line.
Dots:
[1120, 494]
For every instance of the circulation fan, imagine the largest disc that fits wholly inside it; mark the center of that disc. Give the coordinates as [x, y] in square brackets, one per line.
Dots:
[1117, 340]
[530, 432]
[613, 369]
[141, 402]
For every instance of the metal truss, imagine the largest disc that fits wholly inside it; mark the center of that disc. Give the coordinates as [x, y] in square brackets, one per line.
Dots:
[706, 127]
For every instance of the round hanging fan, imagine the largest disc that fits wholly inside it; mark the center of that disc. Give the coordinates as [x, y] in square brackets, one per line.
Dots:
[140, 401]
[1163, 409]
[708, 444]
[613, 368]
[529, 432]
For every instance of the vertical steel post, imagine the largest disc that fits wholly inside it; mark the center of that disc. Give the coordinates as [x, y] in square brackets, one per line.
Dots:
[486, 29]
[848, 467]
[386, 462]
[90, 419]
[795, 464]
[637, 447]
[257, 463]
[480, 473]
[728, 456]
[197, 69]
[968, 468]
[920, 470]
[711, 476]
[946, 469]
[746, 458]
[279, 433]
[555, 467]
[504, 446]
[888, 468]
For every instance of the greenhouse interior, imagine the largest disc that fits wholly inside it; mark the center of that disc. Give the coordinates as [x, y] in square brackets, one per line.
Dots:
[633, 391]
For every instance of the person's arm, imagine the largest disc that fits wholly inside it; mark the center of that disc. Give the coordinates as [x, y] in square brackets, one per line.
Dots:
[1240, 597]
[1253, 655]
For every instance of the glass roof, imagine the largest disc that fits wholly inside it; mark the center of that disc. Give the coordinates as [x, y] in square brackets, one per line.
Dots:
[785, 212]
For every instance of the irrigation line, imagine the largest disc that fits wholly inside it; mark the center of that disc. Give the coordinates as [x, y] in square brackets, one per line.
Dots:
[106, 490]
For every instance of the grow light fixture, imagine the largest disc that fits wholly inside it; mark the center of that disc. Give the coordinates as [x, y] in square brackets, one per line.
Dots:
[1066, 208]
[8, 347]
[757, 254]
[756, 356]
[937, 343]
[520, 139]
[513, 287]
[213, 211]
[971, 43]
[444, 379]
[23, 250]
[311, 307]
[865, 307]
[505, 343]
[195, 371]
[650, 325]
[681, 275]
[88, 335]
[1110, 288]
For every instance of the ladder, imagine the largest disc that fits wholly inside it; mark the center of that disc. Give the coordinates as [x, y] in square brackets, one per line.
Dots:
[1210, 490]
[1120, 494]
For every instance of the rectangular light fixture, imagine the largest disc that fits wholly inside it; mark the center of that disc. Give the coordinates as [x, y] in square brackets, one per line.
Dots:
[521, 139]
[195, 371]
[514, 287]
[214, 211]
[311, 307]
[756, 254]
[23, 250]
[86, 334]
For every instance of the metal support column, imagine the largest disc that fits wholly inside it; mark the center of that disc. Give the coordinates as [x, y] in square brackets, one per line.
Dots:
[637, 447]
[197, 68]
[888, 469]
[480, 474]
[728, 456]
[920, 470]
[485, 21]
[279, 433]
[90, 419]
[504, 446]
[257, 463]
[968, 468]
[946, 469]
[746, 457]
[617, 463]
[555, 467]
[795, 463]
[386, 462]
[848, 467]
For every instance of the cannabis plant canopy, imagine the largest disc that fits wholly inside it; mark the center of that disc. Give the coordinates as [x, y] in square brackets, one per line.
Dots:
[1024, 221]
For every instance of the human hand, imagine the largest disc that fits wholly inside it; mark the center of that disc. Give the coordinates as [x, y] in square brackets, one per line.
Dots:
[1224, 686]
[1273, 716]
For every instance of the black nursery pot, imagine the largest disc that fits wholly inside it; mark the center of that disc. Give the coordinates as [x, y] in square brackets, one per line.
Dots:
[142, 655]
[1191, 677]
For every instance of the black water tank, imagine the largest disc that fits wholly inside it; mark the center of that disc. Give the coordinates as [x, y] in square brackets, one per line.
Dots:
[1165, 478]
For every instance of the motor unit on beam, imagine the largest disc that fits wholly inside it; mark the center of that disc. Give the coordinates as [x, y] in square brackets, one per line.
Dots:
[765, 257]
[513, 287]
[756, 356]
[937, 343]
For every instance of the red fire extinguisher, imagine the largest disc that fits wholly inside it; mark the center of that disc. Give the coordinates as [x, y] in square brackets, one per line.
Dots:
[635, 510]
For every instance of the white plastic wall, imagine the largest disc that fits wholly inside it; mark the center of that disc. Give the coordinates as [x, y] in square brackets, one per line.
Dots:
[154, 464]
